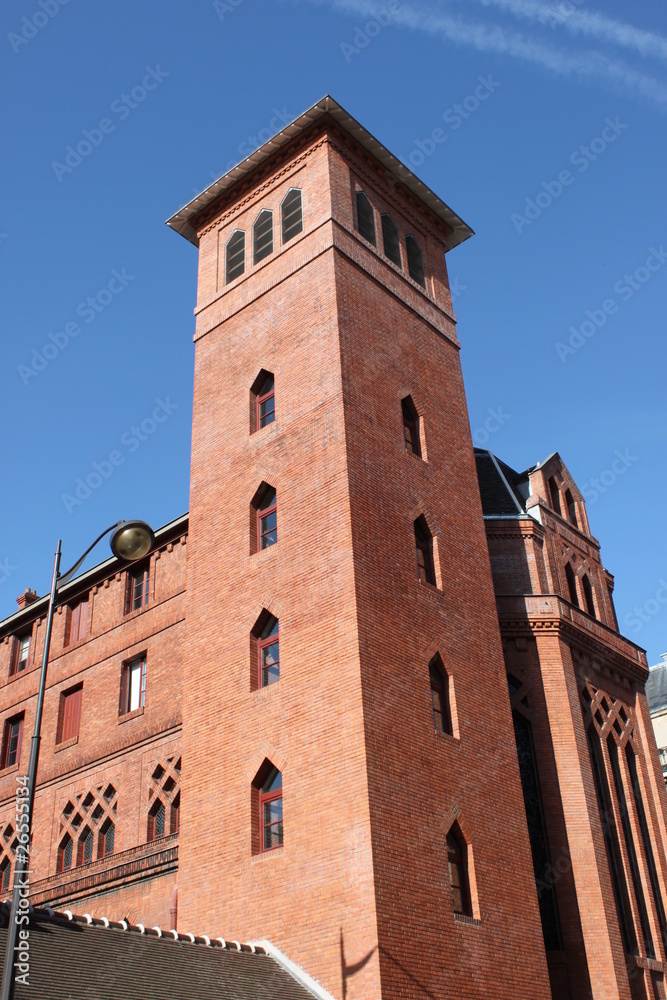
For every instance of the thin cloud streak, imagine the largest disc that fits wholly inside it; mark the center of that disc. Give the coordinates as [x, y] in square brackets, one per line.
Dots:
[590, 24]
[494, 38]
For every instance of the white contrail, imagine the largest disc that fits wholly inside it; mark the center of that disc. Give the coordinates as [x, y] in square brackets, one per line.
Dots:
[487, 37]
[589, 23]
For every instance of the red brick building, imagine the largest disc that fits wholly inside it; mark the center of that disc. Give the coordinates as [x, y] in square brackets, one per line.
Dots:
[314, 662]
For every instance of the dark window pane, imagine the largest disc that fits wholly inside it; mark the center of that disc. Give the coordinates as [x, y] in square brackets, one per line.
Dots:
[268, 499]
[415, 262]
[392, 248]
[109, 838]
[67, 855]
[88, 847]
[273, 782]
[267, 411]
[235, 257]
[292, 222]
[263, 236]
[365, 218]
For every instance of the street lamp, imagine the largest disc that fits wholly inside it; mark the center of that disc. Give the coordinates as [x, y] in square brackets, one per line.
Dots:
[130, 540]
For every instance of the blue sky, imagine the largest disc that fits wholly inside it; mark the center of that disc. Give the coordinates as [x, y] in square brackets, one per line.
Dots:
[542, 125]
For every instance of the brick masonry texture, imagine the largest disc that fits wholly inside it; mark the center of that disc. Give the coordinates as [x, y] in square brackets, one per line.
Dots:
[359, 894]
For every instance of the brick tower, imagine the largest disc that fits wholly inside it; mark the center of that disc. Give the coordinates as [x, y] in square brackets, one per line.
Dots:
[350, 780]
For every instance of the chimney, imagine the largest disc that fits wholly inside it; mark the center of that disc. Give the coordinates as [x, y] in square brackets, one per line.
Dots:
[25, 599]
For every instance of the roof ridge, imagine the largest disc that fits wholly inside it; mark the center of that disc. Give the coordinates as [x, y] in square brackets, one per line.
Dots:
[85, 919]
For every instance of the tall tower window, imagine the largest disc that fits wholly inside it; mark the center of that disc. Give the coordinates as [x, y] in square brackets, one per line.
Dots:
[458, 875]
[588, 595]
[11, 741]
[390, 242]
[554, 493]
[65, 855]
[235, 256]
[415, 261]
[571, 584]
[440, 696]
[271, 811]
[267, 519]
[266, 403]
[411, 427]
[268, 647]
[262, 236]
[424, 546]
[365, 218]
[571, 508]
[291, 215]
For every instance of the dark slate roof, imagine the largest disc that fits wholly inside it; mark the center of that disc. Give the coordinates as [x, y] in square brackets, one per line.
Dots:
[656, 687]
[80, 958]
[503, 490]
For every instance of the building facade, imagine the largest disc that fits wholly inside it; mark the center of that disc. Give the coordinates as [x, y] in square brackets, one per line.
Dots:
[656, 695]
[298, 719]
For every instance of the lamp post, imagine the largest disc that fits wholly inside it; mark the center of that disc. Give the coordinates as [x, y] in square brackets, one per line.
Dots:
[130, 540]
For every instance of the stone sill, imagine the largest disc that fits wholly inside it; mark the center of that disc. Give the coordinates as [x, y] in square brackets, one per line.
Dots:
[128, 716]
[461, 918]
[66, 744]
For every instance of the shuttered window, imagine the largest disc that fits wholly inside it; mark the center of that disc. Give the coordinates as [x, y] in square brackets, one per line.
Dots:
[392, 248]
[235, 256]
[69, 714]
[11, 743]
[291, 217]
[78, 625]
[262, 236]
[365, 218]
[415, 261]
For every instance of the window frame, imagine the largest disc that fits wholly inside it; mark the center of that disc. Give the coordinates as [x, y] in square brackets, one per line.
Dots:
[144, 571]
[263, 644]
[77, 626]
[264, 252]
[440, 686]
[457, 857]
[152, 816]
[228, 279]
[362, 197]
[424, 544]
[262, 514]
[5, 870]
[420, 279]
[283, 239]
[554, 495]
[63, 734]
[6, 741]
[61, 868]
[16, 664]
[397, 263]
[412, 422]
[589, 600]
[265, 798]
[263, 399]
[571, 580]
[126, 684]
[102, 851]
[571, 506]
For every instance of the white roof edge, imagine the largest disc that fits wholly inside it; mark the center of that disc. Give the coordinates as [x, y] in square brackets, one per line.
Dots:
[42, 602]
[180, 222]
[295, 971]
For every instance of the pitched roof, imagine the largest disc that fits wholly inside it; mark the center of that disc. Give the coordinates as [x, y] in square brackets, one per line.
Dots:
[503, 491]
[656, 687]
[183, 221]
[81, 958]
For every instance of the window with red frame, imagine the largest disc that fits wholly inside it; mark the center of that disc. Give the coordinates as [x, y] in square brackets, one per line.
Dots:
[440, 696]
[133, 685]
[266, 402]
[267, 519]
[84, 852]
[11, 741]
[5, 875]
[78, 622]
[458, 876]
[69, 714]
[271, 811]
[137, 588]
[424, 546]
[105, 842]
[20, 654]
[411, 427]
[268, 650]
[157, 821]
[176, 814]
[65, 855]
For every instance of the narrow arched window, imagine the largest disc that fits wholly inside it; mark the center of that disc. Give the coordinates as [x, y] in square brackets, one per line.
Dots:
[440, 696]
[571, 584]
[415, 261]
[156, 821]
[424, 546]
[365, 218]
[235, 256]
[268, 654]
[262, 236]
[458, 871]
[271, 811]
[411, 427]
[588, 595]
[176, 814]
[390, 242]
[65, 855]
[106, 840]
[554, 493]
[5, 875]
[267, 520]
[291, 216]
[571, 508]
[85, 849]
[262, 401]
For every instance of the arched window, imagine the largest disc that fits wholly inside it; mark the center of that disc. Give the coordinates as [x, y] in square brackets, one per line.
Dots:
[271, 811]
[235, 256]
[263, 401]
[571, 509]
[65, 855]
[291, 217]
[440, 696]
[571, 584]
[156, 821]
[262, 236]
[411, 427]
[176, 814]
[5, 875]
[588, 595]
[458, 873]
[268, 648]
[365, 218]
[265, 506]
[554, 493]
[415, 261]
[105, 843]
[390, 242]
[424, 546]
[84, 852]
